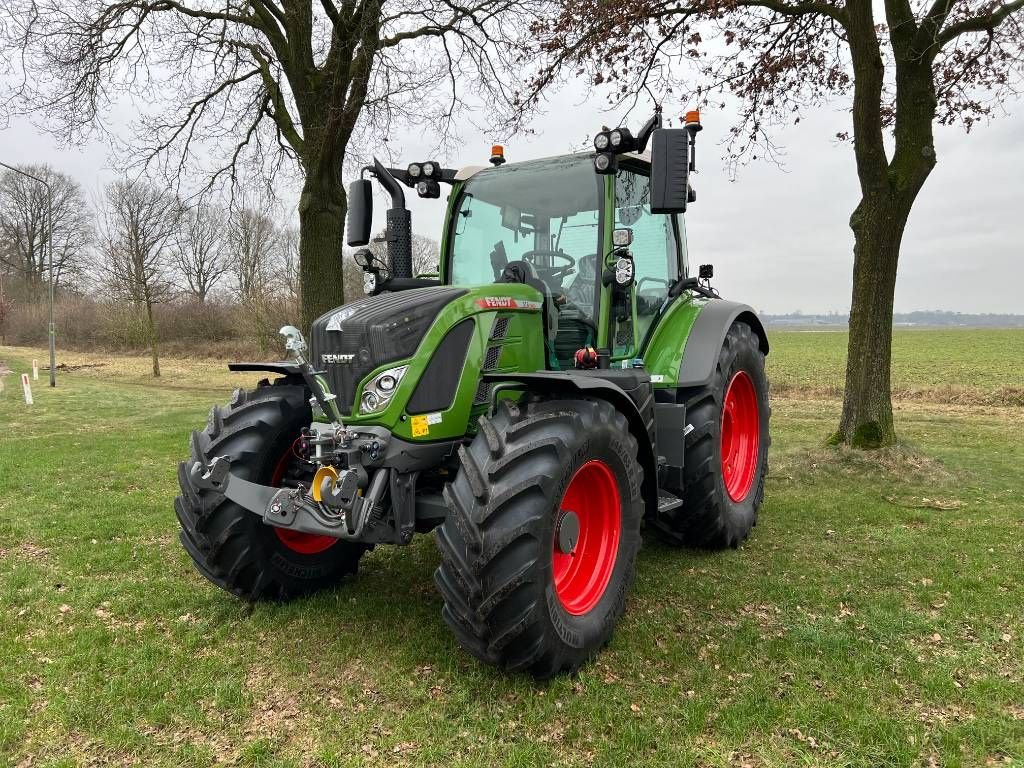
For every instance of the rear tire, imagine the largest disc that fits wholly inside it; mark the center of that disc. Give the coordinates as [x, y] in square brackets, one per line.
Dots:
[512, 595]
[233, 547]
[726, 459]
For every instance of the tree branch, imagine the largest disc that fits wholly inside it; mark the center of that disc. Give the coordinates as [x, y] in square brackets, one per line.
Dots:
[984, 23]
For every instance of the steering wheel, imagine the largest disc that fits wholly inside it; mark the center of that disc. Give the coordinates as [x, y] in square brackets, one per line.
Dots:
[552, 272]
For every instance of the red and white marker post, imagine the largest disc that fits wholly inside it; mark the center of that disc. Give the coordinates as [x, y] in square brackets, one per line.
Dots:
[27, 388]
[35, 370]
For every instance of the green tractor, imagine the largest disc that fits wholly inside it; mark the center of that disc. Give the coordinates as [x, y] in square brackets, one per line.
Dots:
[561, 383]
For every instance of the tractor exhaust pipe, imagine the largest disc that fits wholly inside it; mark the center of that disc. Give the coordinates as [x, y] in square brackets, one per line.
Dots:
[399, 225]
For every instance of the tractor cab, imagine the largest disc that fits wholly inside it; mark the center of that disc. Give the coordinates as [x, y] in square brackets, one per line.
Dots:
[551, 223]
[599, 243]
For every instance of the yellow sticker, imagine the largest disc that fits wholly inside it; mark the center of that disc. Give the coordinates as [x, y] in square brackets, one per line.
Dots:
[420, 426]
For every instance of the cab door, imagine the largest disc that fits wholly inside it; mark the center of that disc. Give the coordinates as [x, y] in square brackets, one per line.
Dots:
[659, 257]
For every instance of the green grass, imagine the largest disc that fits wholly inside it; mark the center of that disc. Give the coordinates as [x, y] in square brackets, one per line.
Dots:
[874, 617]
[953, 366]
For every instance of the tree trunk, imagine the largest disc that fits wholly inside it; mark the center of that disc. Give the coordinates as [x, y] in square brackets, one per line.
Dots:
[321, 239]
[878, 224]
[151, 330]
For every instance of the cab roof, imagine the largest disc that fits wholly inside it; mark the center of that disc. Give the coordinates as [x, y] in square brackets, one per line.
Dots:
[469, 171]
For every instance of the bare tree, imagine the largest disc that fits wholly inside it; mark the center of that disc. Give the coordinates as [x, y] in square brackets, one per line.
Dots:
[261, 85]
[426, 252]
[925, 62]
[199, 250]
[289, 268]
[24, 226]
[138, 228]
[255, 246]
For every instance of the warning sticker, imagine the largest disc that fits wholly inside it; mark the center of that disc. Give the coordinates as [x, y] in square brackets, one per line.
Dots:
[420, 426]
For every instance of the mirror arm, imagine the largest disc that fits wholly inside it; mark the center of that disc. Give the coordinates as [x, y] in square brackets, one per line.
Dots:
[649, 127]
[389, 183]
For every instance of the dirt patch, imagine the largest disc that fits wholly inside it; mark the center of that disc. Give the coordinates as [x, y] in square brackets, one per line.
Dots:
[1005, 396]
[898, 462]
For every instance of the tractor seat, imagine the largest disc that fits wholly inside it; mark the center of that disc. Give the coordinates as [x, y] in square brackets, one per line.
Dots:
[523, 272]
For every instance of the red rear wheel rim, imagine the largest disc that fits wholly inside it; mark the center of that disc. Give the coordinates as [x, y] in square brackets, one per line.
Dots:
[297, 541]
[581, 577]
[741, 436]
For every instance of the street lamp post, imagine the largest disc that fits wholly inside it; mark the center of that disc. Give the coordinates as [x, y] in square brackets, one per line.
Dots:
[49, 248]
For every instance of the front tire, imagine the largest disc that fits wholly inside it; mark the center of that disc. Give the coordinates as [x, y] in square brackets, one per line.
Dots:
[726, 458]
[539, 547]
[233, 547]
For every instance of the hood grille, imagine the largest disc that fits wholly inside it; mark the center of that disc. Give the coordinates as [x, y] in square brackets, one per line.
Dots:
[371, 332]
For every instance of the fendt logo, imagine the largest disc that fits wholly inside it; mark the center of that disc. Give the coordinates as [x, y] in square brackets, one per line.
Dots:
[505, 302]
[334, 359]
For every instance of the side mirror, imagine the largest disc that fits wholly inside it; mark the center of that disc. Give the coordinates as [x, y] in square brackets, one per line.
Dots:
[670, 164]
[360, 212]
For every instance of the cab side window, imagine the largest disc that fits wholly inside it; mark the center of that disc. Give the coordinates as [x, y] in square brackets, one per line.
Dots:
[656, 258]
[655, 252]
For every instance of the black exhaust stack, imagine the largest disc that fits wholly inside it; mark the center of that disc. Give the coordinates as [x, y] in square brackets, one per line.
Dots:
[399, 223]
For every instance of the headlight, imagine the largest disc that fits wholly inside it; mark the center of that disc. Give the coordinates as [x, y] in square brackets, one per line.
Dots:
[601, 142]
[369, 282]
[378, 391]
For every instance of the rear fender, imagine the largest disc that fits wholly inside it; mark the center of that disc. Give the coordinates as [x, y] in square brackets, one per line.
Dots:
[682, 350]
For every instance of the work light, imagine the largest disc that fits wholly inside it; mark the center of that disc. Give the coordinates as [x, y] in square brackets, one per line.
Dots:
[605, 162]
[428, 170]
[601, 141]
[624, 271]
[621, 140]
[414, 170]
[428, 188]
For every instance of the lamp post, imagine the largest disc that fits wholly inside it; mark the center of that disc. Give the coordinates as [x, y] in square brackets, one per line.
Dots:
[49, 248]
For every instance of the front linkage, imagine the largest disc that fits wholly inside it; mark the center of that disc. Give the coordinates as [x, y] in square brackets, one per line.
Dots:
[334, 502]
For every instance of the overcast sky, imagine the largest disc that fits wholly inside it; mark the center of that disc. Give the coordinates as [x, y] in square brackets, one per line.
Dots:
[779, 237]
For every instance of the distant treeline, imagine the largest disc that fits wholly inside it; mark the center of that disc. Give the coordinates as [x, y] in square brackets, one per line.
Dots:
[925, 319]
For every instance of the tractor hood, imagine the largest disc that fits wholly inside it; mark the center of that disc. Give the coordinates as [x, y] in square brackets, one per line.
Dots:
[443, 336]
[350, 341]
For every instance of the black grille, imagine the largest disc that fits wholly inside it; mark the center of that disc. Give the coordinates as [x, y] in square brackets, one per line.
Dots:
[491, 359]
[500, 327]
[375, 331]
[483, 393]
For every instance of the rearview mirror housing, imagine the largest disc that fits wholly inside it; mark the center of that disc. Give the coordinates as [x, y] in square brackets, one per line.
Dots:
[670, 165]
[360, 212]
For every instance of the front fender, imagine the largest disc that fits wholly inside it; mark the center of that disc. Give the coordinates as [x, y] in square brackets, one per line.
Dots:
[591, 384]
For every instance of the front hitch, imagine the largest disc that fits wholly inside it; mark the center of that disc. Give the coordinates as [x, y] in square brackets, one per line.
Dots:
[335, 509]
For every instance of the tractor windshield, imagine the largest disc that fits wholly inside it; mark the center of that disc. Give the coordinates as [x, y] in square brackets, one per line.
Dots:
[544, 213]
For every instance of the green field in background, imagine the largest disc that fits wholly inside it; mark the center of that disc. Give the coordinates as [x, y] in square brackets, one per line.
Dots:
[941, 365]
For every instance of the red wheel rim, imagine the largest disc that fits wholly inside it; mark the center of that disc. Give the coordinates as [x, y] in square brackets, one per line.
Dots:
[581, 577]
[741, 436]
[297, 541]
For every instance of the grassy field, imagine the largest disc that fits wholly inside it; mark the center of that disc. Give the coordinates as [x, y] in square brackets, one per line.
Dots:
[875, 617]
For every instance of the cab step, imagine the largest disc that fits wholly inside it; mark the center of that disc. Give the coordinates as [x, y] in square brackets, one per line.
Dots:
[668, 501]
